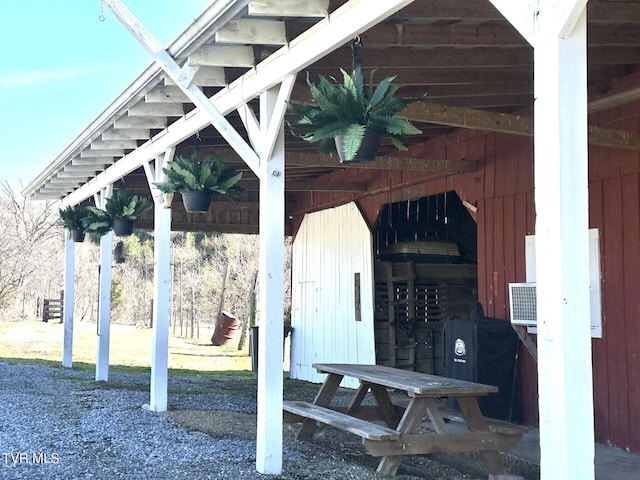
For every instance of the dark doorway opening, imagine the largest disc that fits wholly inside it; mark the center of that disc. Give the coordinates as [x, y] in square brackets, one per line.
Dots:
[425, 272]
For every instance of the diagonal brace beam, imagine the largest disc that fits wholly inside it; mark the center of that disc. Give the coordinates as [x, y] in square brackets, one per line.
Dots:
[183, 79]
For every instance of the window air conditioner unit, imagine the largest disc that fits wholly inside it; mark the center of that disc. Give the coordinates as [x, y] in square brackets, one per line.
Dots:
[522, 301]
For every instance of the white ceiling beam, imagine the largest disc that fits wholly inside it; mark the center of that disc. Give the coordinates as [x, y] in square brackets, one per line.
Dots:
[67, 174]
[93, 161]
[320, 39]
[222, 56]
[289, 8]
[128, 134]
[166, 93]
[140, 122]
[569, 13]
[81, 168]
[156, 110]
[520, 14]
[253, 31]
[102, 153]
[210, 77]
[114, 144]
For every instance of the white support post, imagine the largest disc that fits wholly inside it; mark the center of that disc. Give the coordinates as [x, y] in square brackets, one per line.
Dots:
[161, 287]
[103, 329]
[270, 348]
[104, 308]
[562, 221]
[69, 292]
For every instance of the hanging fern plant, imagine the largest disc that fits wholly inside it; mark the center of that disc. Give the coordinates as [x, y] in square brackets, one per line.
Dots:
[198, 179]
[344, 114]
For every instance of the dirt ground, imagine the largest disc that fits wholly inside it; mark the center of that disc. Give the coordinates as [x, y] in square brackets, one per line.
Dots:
[336, 443]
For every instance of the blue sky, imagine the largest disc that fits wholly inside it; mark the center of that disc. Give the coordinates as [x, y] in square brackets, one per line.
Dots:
[62, 67]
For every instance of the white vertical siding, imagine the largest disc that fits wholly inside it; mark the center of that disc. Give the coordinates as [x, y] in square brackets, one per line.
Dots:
[330, 247]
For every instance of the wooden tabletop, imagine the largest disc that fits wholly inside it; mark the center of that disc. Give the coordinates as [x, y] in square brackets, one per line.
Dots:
[414, 383]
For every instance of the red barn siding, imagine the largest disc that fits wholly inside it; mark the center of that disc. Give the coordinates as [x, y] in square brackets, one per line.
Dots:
[502, 189]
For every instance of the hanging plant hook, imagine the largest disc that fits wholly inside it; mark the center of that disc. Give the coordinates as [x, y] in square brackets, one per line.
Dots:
[356, 48]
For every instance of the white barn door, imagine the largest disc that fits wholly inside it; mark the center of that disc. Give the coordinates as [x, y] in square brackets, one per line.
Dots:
[332, 318]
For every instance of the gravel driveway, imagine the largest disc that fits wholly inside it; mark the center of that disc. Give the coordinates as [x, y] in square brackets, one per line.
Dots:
[58, 423]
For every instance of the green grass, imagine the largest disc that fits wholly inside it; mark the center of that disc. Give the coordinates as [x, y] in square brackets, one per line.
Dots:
[130, 349]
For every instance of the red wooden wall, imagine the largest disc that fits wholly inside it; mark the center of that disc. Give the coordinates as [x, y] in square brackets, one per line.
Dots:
[502, 189]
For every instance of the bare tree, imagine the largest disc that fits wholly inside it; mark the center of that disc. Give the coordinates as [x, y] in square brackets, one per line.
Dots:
[28, 243]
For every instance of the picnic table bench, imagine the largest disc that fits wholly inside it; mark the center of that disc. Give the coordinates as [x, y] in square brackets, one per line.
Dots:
[399, 436]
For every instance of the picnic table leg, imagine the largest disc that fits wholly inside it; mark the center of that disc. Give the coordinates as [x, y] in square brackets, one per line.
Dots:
[477, 423]
[385, 406]
[323, 398]
[412, 417]
[356, 401]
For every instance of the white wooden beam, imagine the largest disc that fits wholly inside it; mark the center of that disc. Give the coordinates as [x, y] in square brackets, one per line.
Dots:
[210, 77]
[276, 117]
[251, 124]
[166, 93]
[102, 153]
[322, 38]
[222, 56]
[156, 110]
[562, 221]
[270, 382]
[289, 8]
[521, 14]
[104, 299]
[129, 134]
[69, 293]
[569, 13]
[252, 31]
[94, 161]
[119, 144]
[161, 286]
[140, 122]
[168, 64]
[67, 174]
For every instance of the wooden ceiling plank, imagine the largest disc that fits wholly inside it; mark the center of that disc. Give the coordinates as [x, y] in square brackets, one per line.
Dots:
[252, 31]
[383, 163]
[427, 112]
[504, 123]
[448, 10]
[614, 100]
[614, 138]
[324, 186]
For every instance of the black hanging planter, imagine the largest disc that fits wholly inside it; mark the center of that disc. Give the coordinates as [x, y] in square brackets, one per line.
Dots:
[368, 148]
[122, 227]
[196, 201]
[77, 235]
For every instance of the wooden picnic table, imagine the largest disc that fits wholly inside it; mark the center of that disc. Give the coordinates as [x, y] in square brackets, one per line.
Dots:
[400, 436]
